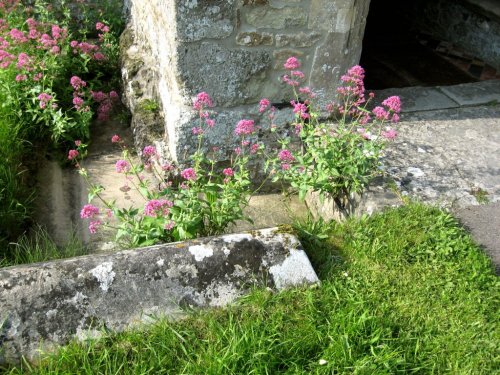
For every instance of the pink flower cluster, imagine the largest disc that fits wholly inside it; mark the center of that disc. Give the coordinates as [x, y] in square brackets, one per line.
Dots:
[300, 109]
[156, 207]
[122, 166]
[286, 156]
[105, 103]
[228, 172]
[44, 98]
[189, 174]
[202, 100]
[72, 154]
[89, 211]
[244, 127]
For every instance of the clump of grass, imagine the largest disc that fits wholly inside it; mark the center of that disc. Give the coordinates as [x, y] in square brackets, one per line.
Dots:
[405, 291]
[39, 247]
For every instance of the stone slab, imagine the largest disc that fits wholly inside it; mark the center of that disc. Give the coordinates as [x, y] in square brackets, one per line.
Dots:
[476, 93]
[45, 305]
[416, 99]
[483, 222]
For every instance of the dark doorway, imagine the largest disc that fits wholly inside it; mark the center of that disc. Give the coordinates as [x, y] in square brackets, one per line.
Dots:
[398, 52]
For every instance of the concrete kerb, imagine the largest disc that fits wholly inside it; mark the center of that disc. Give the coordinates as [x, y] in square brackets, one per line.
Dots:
[45, 305]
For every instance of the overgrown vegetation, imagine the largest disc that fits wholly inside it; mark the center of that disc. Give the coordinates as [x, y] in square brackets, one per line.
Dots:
[58, 66]
[39, 247]
[405, 291]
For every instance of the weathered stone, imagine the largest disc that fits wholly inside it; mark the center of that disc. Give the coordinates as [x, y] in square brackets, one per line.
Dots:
[254, 39]
[198, 20]
[298, 40]
[45, 305]
[276, 18]
[232, 76]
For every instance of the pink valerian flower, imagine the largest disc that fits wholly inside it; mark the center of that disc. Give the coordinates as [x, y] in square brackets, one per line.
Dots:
[380, 113]
[157, 207]
[18, 36]
[72, 154]
[245, 142]
[210, 122]
[307, 90]
[393, 103]
[354, 86]
[264, 104]
[254, 148]
[78, 143]
[32, 23]
[300, 109]
[395, 118]
[47, 41]
[89, 211]
[291, 82]
[78, 102]
[298, 128]
[188, 174]
[228, 172]
[237, 150]
[94, 226]
[244, 127]
[297, 73]
[115, 139]
[197, 131]
[149, 151]
[37, 77]
[58, 32]
[167, 167]
[170, 225]
[44, 99]
[292, 63]
[285, 166]
[23, 61]
[21, 77]
[122, 166]
[55, 50]
[286, 156]
[77, 82]
[389, 133]
[201, 101]
[99, 56]
[114, 95]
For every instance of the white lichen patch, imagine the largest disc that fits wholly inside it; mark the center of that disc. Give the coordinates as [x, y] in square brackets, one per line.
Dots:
[295, 270]
[51, 313]
[104, 274]
[201, 252]
[161, 262]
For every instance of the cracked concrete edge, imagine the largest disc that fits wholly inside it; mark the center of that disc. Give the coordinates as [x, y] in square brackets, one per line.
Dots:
[45, 305]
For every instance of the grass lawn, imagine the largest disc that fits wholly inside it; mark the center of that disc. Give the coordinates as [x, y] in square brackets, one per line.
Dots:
[405, 291]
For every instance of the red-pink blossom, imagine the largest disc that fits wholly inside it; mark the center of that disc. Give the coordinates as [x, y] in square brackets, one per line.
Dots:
[115, 139]
[264, 104]
[202, 100]
[189, 174]
[300, 109]
[93, 226]
[157, 207]
[389, 133]
[78, 102]
[89, 211]
[228, 172]
[78, 143]
[72, 154]
[244, 127]
[380, 113]
[210, 122]
[286, 156]
[149, 151]
[122, 166]
[77, 82]
[393, 103]
[292, 63]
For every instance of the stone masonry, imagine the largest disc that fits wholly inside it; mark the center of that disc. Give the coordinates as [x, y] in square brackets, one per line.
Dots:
[234, 50]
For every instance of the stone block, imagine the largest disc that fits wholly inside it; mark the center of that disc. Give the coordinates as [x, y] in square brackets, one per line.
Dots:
[276, 18]
[43, 306]
[197, 20]
[254, 39]
[298, 40]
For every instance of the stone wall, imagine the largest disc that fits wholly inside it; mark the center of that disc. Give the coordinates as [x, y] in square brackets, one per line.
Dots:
[234, 50]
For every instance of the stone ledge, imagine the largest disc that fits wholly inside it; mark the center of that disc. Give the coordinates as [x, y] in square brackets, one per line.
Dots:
[45, 305]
